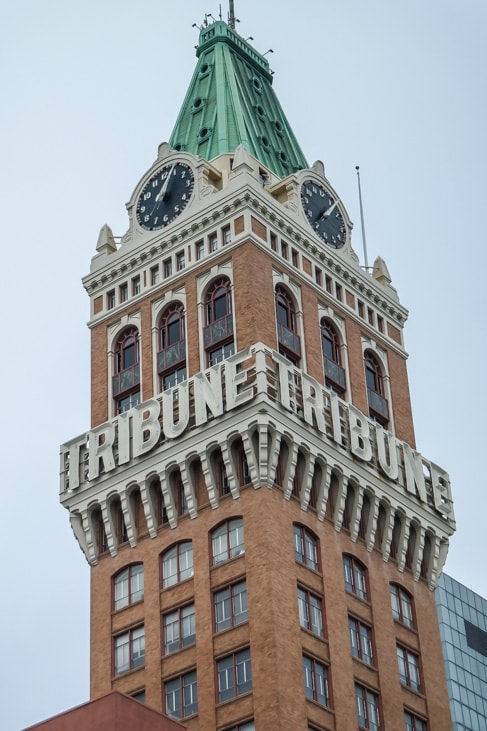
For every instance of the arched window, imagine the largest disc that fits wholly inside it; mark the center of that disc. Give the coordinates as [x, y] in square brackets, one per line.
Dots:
[227, 541]
[171, 358]
[126, 371]
[355, 576]
[330, 344]
[218, 331]
[378, 406]
[305, 547]
[402, 605]
[128, 586]
[287, 327]
[177, 564]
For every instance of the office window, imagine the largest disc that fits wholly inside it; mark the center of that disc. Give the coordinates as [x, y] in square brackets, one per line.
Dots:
[295, 257]
[339, 292]
[212, 242]
[328, 284]
[180, 261]
[129, 650]
[155, 275]
[413, 723]
[370, 316]
[367, 703]
[181, 695]
[226, 235]
[218, 331]
[199, 249]
[355, 577]
[330, 346]
[378, 405]
[126, 371]
[234, 675]
[171, 357]
[361, 640]
[360, 306]
[316, 681]
[287, 326]
[167, 266]
[310, 612]
[135, 286]
[111, 299]
[305, 547]
[380, 323]
[284, 250]
[177, 564]
[273, 242]
[124, 292]
[227, 541]
[230, 606]
[408, 664]
[402, 605]
[247, 726]
[179, 628]
[318, 276]
[128, 586]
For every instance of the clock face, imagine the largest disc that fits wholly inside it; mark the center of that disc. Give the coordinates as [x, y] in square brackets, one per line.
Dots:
[164, 196]
[323, 213]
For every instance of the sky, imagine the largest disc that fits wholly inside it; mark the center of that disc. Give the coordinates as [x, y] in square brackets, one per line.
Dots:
[89, 90]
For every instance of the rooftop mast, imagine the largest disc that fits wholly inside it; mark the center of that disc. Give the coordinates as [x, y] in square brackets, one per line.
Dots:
[231, 15]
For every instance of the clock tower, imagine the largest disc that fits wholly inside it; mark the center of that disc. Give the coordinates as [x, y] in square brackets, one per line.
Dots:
[263, 534]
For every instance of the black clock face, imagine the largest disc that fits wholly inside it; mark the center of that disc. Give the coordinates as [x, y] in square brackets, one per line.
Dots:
[164, 196]
[323, 214]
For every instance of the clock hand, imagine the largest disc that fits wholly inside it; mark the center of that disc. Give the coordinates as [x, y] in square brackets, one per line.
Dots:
[163, 190]
[326, 213]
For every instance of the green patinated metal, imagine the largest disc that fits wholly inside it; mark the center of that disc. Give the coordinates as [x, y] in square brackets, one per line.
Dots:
[230, 101]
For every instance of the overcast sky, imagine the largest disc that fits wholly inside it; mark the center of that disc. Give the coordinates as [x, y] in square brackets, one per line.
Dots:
[89, 90]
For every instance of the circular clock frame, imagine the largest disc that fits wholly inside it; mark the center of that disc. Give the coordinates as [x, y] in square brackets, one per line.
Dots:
[324, 214]
[164, 196]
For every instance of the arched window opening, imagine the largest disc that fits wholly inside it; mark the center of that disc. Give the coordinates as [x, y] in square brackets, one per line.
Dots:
[411, 549]
[227, 541]
[332, 366]
[287, 329]
[378, 405]
[364, 517]
[99, 530]
[396, 536]
[425, 563]
[171, 358]
[126, 372]
[355, 577]
[381, 527]
[218, 333]
[177, 564]
[349, 503]
[118, 520]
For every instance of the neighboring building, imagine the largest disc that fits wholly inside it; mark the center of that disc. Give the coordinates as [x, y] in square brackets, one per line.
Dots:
[113, 712]
[263, 535]
[462, 615]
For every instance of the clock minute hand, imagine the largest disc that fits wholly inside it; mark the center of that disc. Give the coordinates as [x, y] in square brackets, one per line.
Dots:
[328, 211]
[163, 190]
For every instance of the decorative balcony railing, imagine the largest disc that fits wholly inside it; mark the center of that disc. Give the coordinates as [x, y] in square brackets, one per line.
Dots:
[334, 373]
[172, 356]
[378, 405]
[288, 339]
[217, 331]
[126, 380]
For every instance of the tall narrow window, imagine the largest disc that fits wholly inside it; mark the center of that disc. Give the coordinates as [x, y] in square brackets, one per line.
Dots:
[126, 375]
[179, 629]
[367, 703]
[181, 695]
[231, 606]
[227, 541]
[360, 640]
[413, 723]
[330, 344]
[305, 547]
[287, 327]
[408, 663]
[177, 564]
[316, 681]
[129, 650]
[310, 612]
[402, 605]
[234, 675]
[355, 577]
[218, 332]
[171, 358]
[128, 586]
[378, 405]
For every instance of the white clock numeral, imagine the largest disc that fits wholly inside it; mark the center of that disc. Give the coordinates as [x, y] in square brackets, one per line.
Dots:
[142, 209]
[322, 193]
[147, 195]
[188, 183]
[183, 197]
[156, 220]
[176, 209]
[146, 218]
[155, 183]
[165, 218]
[183, 174]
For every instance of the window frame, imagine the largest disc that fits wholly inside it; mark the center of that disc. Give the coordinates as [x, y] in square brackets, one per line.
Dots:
[367, 695]
[233, 618]
[133, 663]
[358, 581]
[184, 638]
[126, 397]
[416, 724]
[308, 622]
[402, 598]
[376, 392]
[410, 661]
[315, 671]
[181, 710]
[171, 355]
[288, 339]
[332, 357]
[218, 329]
[236, 660]
[226, 529]
[307, 539]
[133, 571]
[180, 572]
[362, 633]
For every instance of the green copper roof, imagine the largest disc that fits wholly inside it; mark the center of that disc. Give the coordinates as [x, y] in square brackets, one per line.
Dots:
[230, 101]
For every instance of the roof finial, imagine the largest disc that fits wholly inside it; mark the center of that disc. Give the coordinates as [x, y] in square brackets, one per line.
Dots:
[231, 15]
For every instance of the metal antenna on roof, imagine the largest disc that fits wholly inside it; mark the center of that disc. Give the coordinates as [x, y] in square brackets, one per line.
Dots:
[362, 218]
[231, 15]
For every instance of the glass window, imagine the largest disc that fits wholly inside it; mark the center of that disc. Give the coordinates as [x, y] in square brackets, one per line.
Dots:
[287, 333]
[231, 606]
[355, 577]
[408, 664]
[413, 723]
[155, 276]
[218, 331]
[361, 640]
[126, 371]
[199, 248]
[310, 612]
[179, 628]
[171, 357]
[129, 650]
[402, 605]
[316, 681]
[128, 586]
[181, 695]
[226, 235]
[227, 541]
[378, 404]
[167, 265]
[367, 703]
[124, 292]
[305, 547]
[234, 675]
[135, 286]
[180, 261]
[111, 299]
[177, 564]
